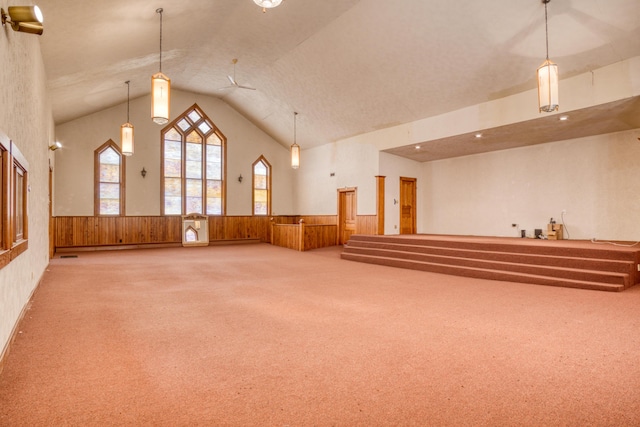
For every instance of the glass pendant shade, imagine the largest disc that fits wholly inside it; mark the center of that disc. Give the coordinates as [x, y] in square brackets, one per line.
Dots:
[126, 139]
[295, 156]
[160, 94]
[548, 87]
[267, 4]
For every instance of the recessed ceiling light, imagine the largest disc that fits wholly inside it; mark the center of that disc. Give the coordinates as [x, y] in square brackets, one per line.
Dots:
[563, 118]
[478, 135]
[417, 147]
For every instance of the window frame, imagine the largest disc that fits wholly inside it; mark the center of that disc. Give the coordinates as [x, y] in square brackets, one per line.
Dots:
[195, 127]
[266, 163]
[122, 183]
[13, 239]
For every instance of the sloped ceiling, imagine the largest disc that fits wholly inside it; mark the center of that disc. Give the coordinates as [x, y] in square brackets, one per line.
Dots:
[347, 66]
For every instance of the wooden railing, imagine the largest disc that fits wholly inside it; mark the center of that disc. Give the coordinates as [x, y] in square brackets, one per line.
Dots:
[303, 236]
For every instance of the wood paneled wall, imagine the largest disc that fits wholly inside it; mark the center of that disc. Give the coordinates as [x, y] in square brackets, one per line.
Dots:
[302, 236]
[82, 231]
[87, 231]
[366, 224]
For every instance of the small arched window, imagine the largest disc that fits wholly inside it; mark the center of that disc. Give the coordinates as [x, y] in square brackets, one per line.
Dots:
[261, 187]
[109, 166]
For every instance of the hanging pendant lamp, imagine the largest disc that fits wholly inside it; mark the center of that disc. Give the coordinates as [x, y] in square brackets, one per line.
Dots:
[160, 89]
[267, 4]
[295, 148]
[547, 76]
[126, 131]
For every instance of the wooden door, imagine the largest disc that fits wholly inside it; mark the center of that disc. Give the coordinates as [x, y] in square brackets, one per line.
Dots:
[407, 205]
[346, 214]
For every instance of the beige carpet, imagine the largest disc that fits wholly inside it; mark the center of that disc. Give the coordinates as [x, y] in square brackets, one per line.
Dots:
[255, 335]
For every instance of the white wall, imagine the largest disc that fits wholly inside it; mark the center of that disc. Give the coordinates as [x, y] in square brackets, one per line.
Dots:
[392, 168]
[25, 117]
[354, 163]
[596, 180]
[245, 143]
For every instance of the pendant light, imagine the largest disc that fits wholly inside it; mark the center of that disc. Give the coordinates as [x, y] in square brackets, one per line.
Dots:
[295, 148]
[267, 4]
[547, 76]
[126, 131]
[160, 89]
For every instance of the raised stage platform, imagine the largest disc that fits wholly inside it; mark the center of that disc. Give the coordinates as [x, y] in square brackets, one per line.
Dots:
[568, 263]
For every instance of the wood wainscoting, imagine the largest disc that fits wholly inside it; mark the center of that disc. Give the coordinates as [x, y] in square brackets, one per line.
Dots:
[88, 231]
[102, 231]
[303, 236]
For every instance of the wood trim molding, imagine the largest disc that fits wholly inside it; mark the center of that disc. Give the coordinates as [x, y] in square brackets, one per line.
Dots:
[380, 181]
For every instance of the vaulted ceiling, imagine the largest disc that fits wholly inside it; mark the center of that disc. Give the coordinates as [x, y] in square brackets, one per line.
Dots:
[347, 66]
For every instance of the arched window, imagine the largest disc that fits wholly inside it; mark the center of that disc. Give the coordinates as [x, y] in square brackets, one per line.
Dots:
[261, 187]
[193, 166]
[109, 167]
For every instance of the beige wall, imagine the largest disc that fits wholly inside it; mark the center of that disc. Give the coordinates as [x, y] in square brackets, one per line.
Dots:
[245, 143]
[596, 180]
[25, 117]
[353, 163]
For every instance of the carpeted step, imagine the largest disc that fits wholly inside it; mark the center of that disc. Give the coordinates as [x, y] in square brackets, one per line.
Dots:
[586, 271]
[514, 245]
[611, 265]
[482, 273]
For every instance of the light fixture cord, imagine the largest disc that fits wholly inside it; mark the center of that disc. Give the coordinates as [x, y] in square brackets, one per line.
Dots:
[295, 115]
[160, 10]
[546, 27]
[127, 82]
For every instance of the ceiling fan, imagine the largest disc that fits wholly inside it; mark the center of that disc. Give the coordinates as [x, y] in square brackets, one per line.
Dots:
[234, 82]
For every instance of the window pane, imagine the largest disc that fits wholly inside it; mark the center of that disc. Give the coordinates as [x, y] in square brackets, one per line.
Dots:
[194, 116]
[172, 205]
[260, 169]
[260, 182]
[172, 187]
[172, 150]
[194, 196]
[214, 197]
[260, 196]
[194, 161]
[109, 172]
[109, 191]
[19, 192]
[184, 124]
[172, 135]
[260, 208]
[109, 206]
[214, 162]
[214, 140]
[172, 168]
[204, 127]
[194, 138]
[214, 206]
[110, 156]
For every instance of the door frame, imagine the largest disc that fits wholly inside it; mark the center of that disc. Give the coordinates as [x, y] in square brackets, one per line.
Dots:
[355, 201]
[414, 211]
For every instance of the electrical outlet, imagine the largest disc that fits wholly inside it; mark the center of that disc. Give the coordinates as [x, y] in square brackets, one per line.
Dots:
[564, 211]
[514, 225]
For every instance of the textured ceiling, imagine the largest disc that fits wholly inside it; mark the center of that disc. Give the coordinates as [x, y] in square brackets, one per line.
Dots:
[347, 66]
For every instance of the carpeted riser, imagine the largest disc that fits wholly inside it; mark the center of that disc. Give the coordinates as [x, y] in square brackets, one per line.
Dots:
[558, 263]
[626, 267]
[483, 274]
[589, 275]
[539, 247]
